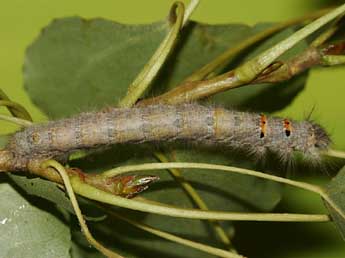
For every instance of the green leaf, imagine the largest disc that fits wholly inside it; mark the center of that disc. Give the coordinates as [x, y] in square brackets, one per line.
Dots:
[90, 63]
[86, 63]
[28, 231]
[336, 191]
[44, 189]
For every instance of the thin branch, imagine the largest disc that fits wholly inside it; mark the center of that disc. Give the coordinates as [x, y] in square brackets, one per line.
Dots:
[217, 64]
[61, 170]
[335, 153]
[17, 109]
[327, 34]
[194, 90]
[15, 120]
[332, 60]
[93, 193]
[14, 111]
[309, 187]
[249, 70]
[193, 4]
[176, 239]
[192, 193]
[151, 166]
[151, 69]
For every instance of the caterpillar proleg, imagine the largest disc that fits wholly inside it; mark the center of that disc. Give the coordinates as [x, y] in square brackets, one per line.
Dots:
[193, 123]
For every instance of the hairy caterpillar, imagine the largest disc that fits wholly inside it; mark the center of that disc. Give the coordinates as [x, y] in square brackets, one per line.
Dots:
[166, 123]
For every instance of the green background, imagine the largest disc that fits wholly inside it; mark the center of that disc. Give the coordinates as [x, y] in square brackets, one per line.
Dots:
[21, 21]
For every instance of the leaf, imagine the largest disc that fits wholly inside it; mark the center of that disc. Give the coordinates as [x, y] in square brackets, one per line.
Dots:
[336, 191]
[28, 231]
[44, 189]
[97, 59]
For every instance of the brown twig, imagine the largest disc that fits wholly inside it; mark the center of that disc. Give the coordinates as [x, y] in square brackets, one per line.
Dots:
[276, 72]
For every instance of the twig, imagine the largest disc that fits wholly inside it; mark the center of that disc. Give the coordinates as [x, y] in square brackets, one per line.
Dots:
[16, 109]
[193, 4]
[171, 237]
[191, 91]
[93, 193]
[61, 170]
[335, 153]
[151, 69]
[15, 120]
[193, 194]
[217, 64]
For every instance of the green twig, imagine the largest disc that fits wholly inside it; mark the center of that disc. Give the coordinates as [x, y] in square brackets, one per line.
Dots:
[16, 109]
[324, 36]
[335, 153]
[96, 194]
[243, 75]
[151, 69]
[66, 180]
[249, 70]
[16, 120]
[209, 70]
[192, 193]
[180, 240]
[332, 60]
[189, 10]
[93, 193]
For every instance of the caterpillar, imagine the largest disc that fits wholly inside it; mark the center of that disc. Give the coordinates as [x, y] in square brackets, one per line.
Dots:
[253, 133]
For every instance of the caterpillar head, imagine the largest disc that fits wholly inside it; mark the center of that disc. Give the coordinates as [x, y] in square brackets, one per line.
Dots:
[318, 141]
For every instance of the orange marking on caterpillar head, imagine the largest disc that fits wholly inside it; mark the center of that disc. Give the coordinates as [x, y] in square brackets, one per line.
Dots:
[263, 125]
[287, 127]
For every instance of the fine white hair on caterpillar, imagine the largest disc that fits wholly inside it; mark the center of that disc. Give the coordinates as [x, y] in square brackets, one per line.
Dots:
[250, 132]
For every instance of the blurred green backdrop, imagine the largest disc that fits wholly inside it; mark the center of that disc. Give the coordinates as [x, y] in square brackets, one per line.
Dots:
[21, 21]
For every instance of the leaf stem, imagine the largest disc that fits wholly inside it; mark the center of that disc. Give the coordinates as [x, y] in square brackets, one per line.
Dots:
[335, 153]
[152, 166]
[333, 60]
[174, 238]
[209, 70]
[249, 70]
[22, 113]
[16, 120]
[306, 186]
[192, 193]
[243, 75]
[96, 194]
[193, 4]
[93, 193]
[17, 109]
[151, 69]
[66, 180]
